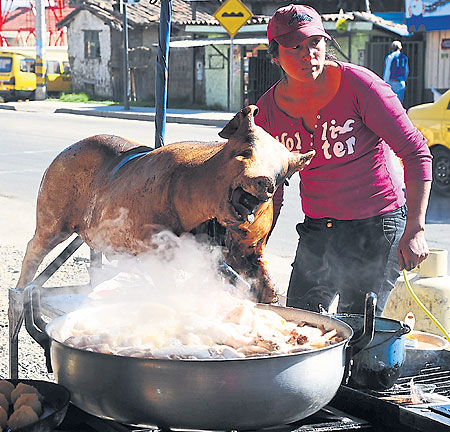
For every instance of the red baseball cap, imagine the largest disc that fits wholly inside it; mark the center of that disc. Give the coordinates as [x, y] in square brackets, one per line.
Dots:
[291, 25]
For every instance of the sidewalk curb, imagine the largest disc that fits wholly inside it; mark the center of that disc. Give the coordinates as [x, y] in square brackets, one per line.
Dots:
[193, 119]
[113, 114]
[144, 117]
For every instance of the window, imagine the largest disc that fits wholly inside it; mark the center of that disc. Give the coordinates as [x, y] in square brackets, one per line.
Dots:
[5, 64]
[215, 61]
[91, 44]
[66, 66]
[53, 67]
[27, 65]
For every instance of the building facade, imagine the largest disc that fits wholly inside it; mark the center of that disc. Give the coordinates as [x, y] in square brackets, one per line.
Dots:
[200, 71]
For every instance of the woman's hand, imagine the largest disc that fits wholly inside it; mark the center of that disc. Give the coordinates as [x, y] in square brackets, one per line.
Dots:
[412, 249]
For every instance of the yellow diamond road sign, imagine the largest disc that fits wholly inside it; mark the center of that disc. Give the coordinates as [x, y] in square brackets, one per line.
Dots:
[233, 14]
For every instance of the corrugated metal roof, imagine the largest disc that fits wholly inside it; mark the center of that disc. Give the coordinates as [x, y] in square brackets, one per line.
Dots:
[188, 43]
[392, 26]
[264, 19]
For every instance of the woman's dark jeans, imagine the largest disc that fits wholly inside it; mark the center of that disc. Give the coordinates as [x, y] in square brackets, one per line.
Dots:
[349, 258]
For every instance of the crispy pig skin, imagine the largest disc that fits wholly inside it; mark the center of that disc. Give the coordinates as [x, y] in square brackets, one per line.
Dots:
[115, 193]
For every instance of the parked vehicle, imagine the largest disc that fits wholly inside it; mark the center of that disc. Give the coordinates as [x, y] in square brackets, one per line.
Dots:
[59, 76]
[18, 77]
[433, 120]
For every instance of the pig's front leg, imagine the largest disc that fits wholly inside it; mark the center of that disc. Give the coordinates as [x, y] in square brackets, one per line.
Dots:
[251, 265]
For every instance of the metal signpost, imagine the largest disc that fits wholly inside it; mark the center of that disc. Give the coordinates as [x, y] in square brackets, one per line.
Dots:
[232, 15]
[41, 43]
[162, 66]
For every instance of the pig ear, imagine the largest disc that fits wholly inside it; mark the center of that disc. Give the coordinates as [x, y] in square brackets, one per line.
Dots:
[298, 161]
[244, 116]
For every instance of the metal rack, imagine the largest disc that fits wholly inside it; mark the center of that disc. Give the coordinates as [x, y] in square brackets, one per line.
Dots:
[16, 311]
[386, 410]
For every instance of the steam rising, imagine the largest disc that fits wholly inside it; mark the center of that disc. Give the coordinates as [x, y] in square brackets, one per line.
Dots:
[170, 301]
[173, 303]
[179, 272]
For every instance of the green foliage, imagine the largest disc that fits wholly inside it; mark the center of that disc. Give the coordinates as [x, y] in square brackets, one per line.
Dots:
[74, 97]
[173, 103]
[142, 103]
[83, 98]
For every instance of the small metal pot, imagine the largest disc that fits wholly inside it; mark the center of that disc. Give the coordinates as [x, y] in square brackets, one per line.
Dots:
[379, 364]
[430, 351]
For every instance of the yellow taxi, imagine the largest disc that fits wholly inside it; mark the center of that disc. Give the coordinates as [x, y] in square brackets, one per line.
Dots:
[433, 120]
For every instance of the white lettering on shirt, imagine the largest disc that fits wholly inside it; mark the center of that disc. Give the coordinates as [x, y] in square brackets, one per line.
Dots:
[330, 132]
[339, 149]
[289, 142]
[339, 130]
[325, 148]
[351, 144]
[299, 140]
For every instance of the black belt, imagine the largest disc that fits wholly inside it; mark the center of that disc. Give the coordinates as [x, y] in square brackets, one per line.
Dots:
[329, 222]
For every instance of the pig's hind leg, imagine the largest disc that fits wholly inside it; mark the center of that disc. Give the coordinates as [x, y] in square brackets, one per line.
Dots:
[42, 243]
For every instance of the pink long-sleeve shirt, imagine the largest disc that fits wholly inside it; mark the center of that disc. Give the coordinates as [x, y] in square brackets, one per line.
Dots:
[351, 175]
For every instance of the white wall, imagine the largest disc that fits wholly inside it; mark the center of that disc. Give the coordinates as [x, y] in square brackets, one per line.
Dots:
[217, 77]
[88, 72]
[437, 61]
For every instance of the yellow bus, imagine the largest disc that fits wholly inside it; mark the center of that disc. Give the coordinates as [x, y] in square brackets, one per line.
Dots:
[17, 72]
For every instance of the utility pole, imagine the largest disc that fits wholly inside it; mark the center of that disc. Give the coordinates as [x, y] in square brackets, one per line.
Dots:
[41, 43]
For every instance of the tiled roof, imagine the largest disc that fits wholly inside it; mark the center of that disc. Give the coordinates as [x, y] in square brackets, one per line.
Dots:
[147, 12]
[143, 13]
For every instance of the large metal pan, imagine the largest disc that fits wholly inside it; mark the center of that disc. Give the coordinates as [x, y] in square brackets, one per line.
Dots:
[241, 394]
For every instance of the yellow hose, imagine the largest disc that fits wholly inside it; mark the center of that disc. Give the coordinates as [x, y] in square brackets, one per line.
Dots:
[424, 308]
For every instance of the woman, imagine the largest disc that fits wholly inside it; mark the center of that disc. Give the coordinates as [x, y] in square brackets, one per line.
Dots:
[357, 234]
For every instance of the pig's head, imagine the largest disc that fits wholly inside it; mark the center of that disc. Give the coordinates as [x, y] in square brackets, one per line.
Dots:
[254, 165]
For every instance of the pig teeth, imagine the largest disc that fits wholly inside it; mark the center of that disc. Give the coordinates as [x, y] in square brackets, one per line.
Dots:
[251, 218]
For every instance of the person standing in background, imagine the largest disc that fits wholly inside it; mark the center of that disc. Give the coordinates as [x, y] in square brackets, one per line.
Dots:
[396, 70]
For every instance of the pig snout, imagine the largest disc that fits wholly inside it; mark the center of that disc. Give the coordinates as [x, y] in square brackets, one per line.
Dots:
[264, 187]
